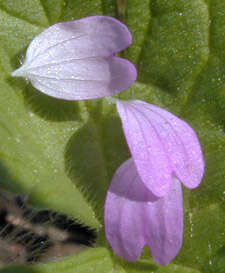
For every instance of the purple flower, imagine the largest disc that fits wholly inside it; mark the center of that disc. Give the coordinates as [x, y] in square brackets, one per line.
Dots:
[144, 203]
[76, 60]
[134, 217]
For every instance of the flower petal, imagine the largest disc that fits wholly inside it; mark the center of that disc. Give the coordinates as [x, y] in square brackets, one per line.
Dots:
[161, 138]
[182, 146]
[93, 78]
[74, 60]
[134, 217]
[88, 37]
[165, 221]
[146, 148]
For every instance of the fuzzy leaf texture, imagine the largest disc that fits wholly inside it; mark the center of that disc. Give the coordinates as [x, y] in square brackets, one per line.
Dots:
[63, 154]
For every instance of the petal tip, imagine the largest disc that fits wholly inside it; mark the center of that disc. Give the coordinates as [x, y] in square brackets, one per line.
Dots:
[127, 34]
[120, 28]
[122, 75]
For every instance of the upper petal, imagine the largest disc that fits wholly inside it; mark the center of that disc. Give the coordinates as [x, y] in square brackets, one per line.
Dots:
[134, 217]
[182, 145]
[87, 37]
[179, 142]
[74, 60]
[146, 146]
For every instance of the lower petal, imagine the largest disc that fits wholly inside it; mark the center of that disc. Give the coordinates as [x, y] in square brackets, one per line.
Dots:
[84, 79]
[134, 217]
[164, 221]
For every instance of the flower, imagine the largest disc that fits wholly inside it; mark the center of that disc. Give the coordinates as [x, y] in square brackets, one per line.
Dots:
[76, 60]
[144, 202]
[134, 217]
[162, 146]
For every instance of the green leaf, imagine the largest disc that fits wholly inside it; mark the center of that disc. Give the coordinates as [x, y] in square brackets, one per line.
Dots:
[90, 261]
[28, 11]
[64, 154]
[147, 266]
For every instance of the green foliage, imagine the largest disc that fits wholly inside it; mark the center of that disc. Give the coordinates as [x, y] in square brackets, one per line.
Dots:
[91, 261]
[63, 154]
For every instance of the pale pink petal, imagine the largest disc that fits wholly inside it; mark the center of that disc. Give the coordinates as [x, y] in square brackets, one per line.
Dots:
[161, 138]
[146, 147]
[134, 217]
[75, 60]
